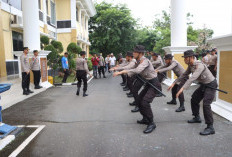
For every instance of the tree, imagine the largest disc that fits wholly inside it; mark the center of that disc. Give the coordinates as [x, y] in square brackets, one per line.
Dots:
[112, 29]
[73, 49]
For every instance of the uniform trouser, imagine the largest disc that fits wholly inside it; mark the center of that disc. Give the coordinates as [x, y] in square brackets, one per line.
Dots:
[146, 97]
[124, 78]
[81, 76]
[95, 67]
[161, 77]
[66, 74]
[25, 81]
[101, 70]
[130, 81]
[37, 76]
[175, 90]
[137, 85]
[211, 68]
[207, 95]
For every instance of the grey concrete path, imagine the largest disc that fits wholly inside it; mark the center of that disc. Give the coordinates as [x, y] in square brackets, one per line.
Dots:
[102, 125]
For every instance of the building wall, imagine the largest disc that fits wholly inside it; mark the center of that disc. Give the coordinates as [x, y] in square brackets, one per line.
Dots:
[63, 8]
[225, 73]
[2, 45]
[65, 38]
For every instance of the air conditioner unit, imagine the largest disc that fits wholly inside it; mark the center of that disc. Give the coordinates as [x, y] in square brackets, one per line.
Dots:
[17, 20]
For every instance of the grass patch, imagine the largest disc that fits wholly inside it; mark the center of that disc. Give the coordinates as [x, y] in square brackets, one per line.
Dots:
[70, 79]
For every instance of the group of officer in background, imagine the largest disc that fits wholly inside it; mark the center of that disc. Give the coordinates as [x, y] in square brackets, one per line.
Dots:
[147, 73]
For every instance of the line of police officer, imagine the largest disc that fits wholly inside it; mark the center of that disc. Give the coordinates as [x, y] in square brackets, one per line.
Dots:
[154, 72]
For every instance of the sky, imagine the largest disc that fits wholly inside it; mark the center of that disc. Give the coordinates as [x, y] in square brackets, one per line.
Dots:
[214, 14]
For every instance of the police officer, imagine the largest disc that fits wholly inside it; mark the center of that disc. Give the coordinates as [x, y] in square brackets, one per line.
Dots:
[35, 67]
[129, 65]
[146, 70]
[201, 73]
[25, 67]
[213, 62]
[157, 61]
[178, 69]
[81, 73]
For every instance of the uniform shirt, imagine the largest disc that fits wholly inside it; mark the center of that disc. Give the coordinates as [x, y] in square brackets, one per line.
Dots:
[64, 62]
[25, 66]
[101, 61]
[175, 66]
[157, 63]
[130, 65]
[213, 60]
[35, 63]
[81, 64]
[199, 71]
[144, 68]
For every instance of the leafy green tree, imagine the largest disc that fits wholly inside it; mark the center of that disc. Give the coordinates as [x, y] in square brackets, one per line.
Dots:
[112, 29]
[57, 45]
[73, 49]
[44, 40]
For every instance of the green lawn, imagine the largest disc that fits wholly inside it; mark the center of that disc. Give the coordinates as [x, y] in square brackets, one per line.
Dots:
[59, 79]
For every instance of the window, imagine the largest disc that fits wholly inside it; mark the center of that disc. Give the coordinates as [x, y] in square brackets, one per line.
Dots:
[39, 4]
[14, 3]
[53, 13]
[17, 41]
[77, 15]
[47, 6]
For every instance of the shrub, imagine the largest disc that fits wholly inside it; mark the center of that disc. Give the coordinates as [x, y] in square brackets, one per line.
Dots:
[57, 45]
[73, 48]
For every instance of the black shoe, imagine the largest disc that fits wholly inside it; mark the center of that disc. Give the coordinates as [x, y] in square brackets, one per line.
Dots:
[29, 91]
[95, 77]
[77, 93]
[25, 93]
[208, 131]
[180, 109]
[84, 94]
[40, 87]
[149, 128]
[128, 93]
[122, 84]
[126, 89]
[132, 104]
[143, 121]
[136, 109]
[130, 96]
[196, 119]
[158, 95]
[104, 76]
[172, 102]
[37, 87]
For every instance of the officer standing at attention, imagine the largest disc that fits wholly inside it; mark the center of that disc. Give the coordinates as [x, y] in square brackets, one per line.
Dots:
[65, 67]
[25, 67]
[81, 73]
[201, 73]
[35, 67]
[178, 69]
[144, 69]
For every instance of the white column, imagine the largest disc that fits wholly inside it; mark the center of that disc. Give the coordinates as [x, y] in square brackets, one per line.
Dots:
[31, 33]
[178, 23]
[73, 14]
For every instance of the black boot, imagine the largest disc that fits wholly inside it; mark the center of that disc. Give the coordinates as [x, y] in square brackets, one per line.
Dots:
[84, 94]
[126, 89]
[130, 95]
[136, 109]
[25, 92]
[78, 91]
[172, 102]
[208, 131]
[122, 84]
[143, 121]
[149, 128]
[104, 76]
[29, 91]
[196, 119]
[132, 104]
[181, 108]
